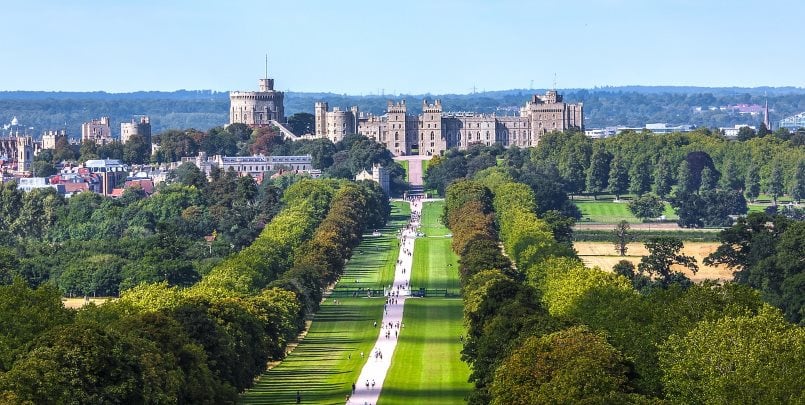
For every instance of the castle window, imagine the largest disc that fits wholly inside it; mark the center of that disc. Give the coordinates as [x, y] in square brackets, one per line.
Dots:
[431, 135]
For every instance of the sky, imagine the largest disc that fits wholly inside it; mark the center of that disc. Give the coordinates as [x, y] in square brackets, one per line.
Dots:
[392, 47]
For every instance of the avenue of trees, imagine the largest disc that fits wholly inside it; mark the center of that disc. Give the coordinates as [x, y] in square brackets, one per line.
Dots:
[545, 328]
[200, 344]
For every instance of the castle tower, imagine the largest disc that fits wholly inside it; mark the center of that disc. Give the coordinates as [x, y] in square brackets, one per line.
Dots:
[431, 138]
[320, 111]
[257, 108]
[397, 128]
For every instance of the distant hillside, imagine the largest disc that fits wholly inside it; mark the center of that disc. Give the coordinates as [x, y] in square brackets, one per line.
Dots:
[203, 109]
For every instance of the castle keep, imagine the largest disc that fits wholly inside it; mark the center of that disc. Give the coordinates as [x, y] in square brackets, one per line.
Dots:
[435, 131]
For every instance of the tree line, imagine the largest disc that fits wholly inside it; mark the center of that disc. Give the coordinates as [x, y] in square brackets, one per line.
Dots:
[542, 327]
[202, 344]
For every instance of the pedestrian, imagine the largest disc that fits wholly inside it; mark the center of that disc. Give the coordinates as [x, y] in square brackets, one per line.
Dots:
[367, 384]
[374, 325]
[298, 398]
[373, 384]
[361, 354]
[353, 388]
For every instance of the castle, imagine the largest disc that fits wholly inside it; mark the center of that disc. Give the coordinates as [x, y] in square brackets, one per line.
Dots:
[434, 131]
[257, 108]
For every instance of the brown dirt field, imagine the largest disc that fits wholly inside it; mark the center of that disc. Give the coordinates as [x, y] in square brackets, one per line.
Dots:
[602, 254]
[76, 303]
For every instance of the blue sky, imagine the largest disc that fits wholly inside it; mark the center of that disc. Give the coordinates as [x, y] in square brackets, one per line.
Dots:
[404, 46]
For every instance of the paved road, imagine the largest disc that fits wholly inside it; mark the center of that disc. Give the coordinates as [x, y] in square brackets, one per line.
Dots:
[370, 381]
[414, 168]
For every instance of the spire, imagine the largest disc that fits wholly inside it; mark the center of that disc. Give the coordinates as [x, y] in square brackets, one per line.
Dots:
[766, 115]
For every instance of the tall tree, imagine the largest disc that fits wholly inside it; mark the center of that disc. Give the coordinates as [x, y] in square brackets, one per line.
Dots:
[709, 180]
[598, 172]
[732, 179]
[647, 206]
[752, 182]
[684, 179]
[798, 186]
[618, 178]
[775, 184]
[663, 177]
[640, 175]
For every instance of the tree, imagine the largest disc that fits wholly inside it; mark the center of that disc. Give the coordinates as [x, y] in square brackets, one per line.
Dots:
[622, 237]
[571, 366]
[618, 178]
[647, 206]
[663, 177]
[302, 123]
[752, 182]
[762, 130]
[624, 268]
[664, 253]
[684, 179]
[640, 175]
[136, 150]
[775, 184]
[709, 180]
[598, 172]
[43, 169]
[189, 174]
[737, 359]
[732, 179]
[798, 186]
[745, 133]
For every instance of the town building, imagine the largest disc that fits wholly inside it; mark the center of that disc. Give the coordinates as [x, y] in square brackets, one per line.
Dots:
[97, 130]
[434, 131]
[793, 122]
[379, 175]
[141, 127]
[102, 175]
[732, 132]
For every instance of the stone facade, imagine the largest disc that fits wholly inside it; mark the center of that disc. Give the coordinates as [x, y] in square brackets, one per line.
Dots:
[51, 138]
[141, 127]
[97, 131]
[257, 108]
[434, 131]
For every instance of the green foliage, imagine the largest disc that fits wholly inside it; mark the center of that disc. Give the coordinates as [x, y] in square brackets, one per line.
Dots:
[752, 183]
[647, 207]
[570, 366]
[598, 172]
[663, 253]
[736, 359]
[618, 178]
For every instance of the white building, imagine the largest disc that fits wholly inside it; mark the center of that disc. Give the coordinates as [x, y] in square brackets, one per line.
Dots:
[253, 165]
[379, 175]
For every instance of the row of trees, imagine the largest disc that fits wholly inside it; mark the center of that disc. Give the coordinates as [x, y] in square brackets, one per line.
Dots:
[202, 344]
[560, 332]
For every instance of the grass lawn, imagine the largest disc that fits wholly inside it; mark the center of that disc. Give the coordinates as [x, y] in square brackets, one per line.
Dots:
[404, 164]
[427, 366]
[328, 360]
[425, 164]
[609, 212]
[431, 219]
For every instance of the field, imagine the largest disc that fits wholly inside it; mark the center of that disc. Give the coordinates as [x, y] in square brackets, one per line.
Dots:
[431, 223]
[427, 366]
[610, 212]
[602, 254]
[76, 303]
[326, 363]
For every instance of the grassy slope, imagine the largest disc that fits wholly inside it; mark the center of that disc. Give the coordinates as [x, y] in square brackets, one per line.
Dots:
[404, 164]
[427, 366]
[321, 367]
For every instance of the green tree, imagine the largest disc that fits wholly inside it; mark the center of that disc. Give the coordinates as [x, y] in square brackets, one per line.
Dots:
[136, 150]
[684, 179]
[598, 172]
[640, 176]
[622, 237]
[774, 184]
[746, 133]
[752, 182]
[732, 179]
[737, 359]
[798, 185]
[302, 123]
[709, 180]
[664, 253]
[618, 178]
[646, 207]
[663, 177]
[189, 174]
[570, 366]
[43, 169]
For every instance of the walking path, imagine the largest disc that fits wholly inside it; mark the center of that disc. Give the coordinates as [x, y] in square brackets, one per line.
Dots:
[370, 382]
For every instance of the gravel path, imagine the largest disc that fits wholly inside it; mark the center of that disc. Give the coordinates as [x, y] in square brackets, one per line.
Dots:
[370, 381]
